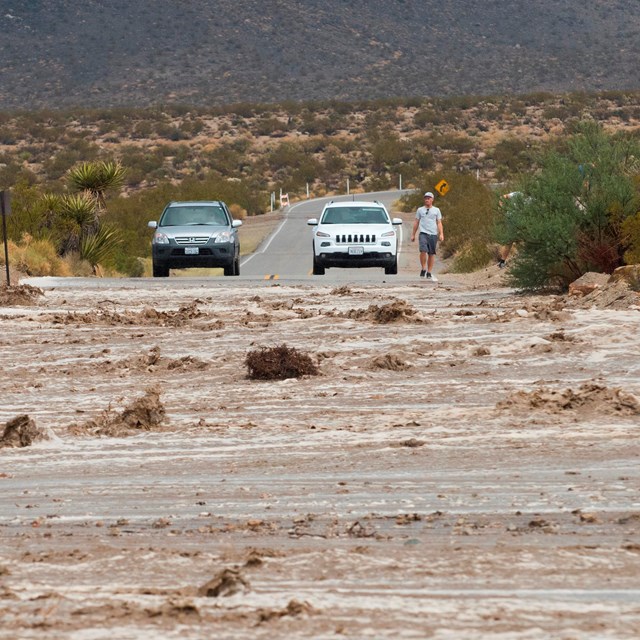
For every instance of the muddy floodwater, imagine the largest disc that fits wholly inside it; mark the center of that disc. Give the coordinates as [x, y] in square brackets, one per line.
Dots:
[464, 465]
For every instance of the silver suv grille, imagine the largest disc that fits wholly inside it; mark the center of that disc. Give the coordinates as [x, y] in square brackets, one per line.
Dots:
[192, 239]
[359, 238]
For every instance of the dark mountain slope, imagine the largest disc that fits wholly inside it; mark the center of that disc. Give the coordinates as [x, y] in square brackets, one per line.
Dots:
[62, 53]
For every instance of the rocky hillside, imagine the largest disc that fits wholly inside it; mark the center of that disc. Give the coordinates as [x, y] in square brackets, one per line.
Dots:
[91, 53]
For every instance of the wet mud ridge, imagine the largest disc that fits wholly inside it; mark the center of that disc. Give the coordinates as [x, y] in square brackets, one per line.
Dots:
[312, 462]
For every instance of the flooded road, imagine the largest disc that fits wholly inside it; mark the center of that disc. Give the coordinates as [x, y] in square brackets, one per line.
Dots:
[465, 465]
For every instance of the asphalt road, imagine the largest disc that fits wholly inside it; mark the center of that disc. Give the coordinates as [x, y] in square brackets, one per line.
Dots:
[288, 254]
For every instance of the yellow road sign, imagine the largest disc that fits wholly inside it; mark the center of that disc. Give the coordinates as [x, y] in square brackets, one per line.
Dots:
[442, 187]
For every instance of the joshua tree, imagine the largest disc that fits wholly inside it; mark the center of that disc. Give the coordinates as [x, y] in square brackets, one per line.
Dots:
[96, 178]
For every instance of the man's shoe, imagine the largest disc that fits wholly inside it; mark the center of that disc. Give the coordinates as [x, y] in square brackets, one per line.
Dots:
[423, 273]
[431, 277]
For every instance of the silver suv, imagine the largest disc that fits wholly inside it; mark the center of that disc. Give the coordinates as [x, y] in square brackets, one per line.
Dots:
[355, 234]
[195, 234]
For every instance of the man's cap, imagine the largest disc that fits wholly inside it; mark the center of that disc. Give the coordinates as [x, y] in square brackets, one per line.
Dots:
[428, 194]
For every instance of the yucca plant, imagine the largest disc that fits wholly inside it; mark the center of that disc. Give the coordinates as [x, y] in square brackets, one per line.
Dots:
[76, 218]
[96, 178]
[98, 247]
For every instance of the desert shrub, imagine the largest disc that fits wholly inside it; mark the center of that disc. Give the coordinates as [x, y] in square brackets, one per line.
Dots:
[8, 136]
[279, 363]
[37, 258]
[511, 153]
[67, 157]
[388, 151]
[172, 132]
[472, 256]
[79, 267]
[573, 213]
[237, 212]
[452, 142]
[631, 231]
[128, 265]
[140, 162]
[421, 155]
[13, 173]
[225, 160]
[268, 125]
[286, 155]
[334, 161]
[426, 117]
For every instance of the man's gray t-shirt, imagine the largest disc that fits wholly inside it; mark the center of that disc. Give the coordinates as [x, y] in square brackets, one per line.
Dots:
[428, 220]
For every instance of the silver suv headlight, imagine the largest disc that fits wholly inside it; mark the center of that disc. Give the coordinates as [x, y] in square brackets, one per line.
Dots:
[222, 236]
[161, 238]
[389, 233]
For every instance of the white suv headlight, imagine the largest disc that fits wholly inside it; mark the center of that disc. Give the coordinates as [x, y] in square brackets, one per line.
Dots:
[386, 234]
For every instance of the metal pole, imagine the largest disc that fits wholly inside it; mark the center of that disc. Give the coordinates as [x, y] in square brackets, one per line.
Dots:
[4, 235]
[347, 186]
[400, 182]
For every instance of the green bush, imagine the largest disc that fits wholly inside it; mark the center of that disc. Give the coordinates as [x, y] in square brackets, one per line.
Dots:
[572, 216]
[513, 154]
[631, 231]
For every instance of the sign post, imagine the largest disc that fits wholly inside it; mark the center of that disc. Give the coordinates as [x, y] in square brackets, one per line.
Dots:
[5, 206]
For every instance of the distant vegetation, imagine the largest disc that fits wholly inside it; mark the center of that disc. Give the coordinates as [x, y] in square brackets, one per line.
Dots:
[245, 152]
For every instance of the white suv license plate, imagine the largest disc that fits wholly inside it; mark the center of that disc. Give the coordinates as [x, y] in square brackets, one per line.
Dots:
[356, 251]
[191, 251]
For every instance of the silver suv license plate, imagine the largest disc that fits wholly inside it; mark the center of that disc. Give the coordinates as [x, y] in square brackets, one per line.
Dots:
[356, 251]
[191, 251]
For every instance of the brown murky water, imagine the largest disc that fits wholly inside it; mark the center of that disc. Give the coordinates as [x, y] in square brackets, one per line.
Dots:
[466, 465]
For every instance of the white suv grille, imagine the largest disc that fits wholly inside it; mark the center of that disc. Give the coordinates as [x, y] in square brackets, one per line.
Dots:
[358, 238]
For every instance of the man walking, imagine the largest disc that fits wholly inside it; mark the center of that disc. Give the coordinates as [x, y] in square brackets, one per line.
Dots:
[429, 221]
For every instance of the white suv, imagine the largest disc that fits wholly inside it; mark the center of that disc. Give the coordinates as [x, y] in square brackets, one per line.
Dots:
[355, 234]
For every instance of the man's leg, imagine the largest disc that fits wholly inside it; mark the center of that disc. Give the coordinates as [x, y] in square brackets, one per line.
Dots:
[423, 260]
[430, 262]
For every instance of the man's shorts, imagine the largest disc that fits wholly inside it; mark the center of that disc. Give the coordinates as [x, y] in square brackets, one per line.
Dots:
[428, 243]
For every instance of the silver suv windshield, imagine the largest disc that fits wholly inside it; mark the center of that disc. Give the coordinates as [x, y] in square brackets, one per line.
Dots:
[194, 215]
[354, 215]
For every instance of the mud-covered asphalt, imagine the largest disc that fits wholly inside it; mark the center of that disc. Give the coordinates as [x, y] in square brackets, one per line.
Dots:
[465, 465]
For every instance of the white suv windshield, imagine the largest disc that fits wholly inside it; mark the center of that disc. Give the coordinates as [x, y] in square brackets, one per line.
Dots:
[354, 215]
